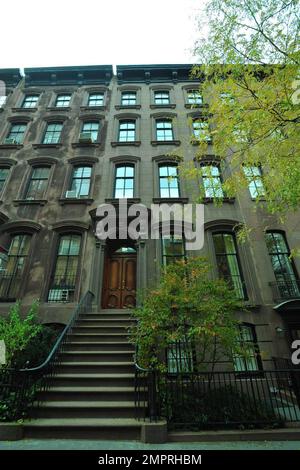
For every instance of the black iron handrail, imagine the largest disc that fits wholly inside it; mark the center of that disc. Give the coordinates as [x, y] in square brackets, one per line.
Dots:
[19, 387]
[146, 392]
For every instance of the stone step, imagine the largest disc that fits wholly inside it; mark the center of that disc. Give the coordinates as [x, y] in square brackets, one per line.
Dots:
[99, 337]
[96, 356]
[88, 393]
[83, 428]
[92, 380]
[100, 329]
[96, 346]
[85, 409]
[115, 322]
[95, 367]
[106, 316]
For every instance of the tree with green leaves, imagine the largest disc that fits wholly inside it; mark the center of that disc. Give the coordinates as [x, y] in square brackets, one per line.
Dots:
[190, 307]
[249, 72]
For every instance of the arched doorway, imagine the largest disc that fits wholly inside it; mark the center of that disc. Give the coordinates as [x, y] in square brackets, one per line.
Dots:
[119, 276]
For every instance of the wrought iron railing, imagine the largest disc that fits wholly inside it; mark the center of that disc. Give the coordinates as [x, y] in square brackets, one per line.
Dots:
[286, 289]
[62, 288]
[19, 387]
[218, 399]
[147, 405]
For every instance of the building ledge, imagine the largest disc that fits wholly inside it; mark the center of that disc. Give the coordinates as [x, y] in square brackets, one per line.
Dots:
[165, 142]
[85, 144]
[135, 143]
[209, 200]
[24, 110]
[59, 108]
[11, 146]
[195, 106]
[163, 106]
[92, 108]
[30, 202]
[116, 201]
[46, 146]
[170, 200]
[127, 106]
[75, 200]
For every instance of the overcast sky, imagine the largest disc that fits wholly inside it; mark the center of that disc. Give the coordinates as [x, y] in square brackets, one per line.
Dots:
[37, 33]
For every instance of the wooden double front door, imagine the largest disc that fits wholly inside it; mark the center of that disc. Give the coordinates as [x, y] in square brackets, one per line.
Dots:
[119, 283]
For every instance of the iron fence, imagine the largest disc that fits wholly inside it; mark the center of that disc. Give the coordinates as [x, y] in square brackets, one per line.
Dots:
[220, 399]
[285, 289]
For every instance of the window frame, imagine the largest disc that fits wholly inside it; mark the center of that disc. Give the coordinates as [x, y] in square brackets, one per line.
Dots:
[53, 123]
[251, 179]
[30, 95]
[164, 256]
[168, 165]
[211, 187]
[256, 356]
[75, 286]
[72, 178]
[242, 289]
[64, 95]
[30, 179]
[124, 178]
[164, 129]
[95, 93]
[127, 122]
[10, 131]
[126, 102]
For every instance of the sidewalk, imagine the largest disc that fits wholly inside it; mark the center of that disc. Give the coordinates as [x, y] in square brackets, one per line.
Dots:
[34, 444]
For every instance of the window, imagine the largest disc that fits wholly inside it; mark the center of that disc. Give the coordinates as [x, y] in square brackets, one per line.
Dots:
[80, 184]
[248, 343]
[124, 181]
[53, 133]
[164, 130]
[201, 130]
[30, 101]
[180, 357]
[173, 249]
[212, 182]
[128, 98]
[63, 101]
[254, 177]
[2, 100]
[161, 97]
[38, 183]
[168, 181]
[283, 267]
[12, 273]
[63, 281]
[16, 133]
[194, 97]
[3, 176]
[227, 98]
[96, 99]
[127, 131]
[91, 129]
[228, 262]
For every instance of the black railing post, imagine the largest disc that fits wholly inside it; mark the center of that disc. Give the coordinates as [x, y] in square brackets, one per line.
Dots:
[152, 395]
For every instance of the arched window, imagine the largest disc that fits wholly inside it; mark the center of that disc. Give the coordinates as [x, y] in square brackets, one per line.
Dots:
[127, 131]
[63, 281]
[164, 129]
[38, 183]
[13, 262]
[228, 262]
[284, 270]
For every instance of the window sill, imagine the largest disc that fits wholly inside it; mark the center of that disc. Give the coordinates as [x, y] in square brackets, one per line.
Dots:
[209, 200]
[135, 143]
[85, 144]
[198, 142]
[75, 200]
[24, 110]
[162, 106]
[92, 108]
[11, 146]
[59, 108]
[170, 200]
[127, 106]
[46, 146]
[30, 202]
[195, 106]
[116, 201]
[165, 142]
